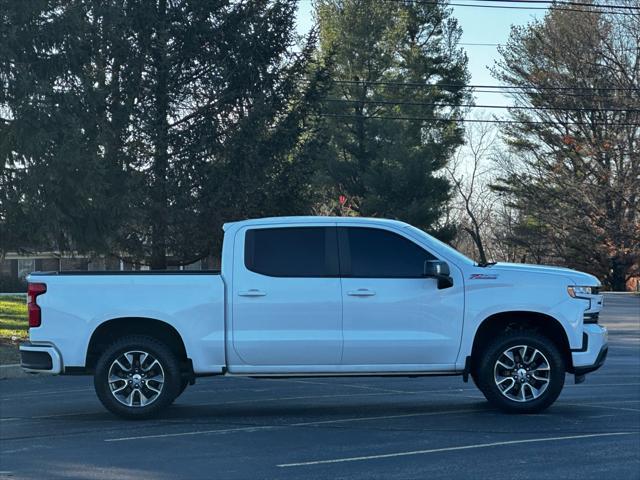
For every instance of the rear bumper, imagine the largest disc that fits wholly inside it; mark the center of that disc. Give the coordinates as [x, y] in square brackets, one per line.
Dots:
[594, 349]
[40, 358]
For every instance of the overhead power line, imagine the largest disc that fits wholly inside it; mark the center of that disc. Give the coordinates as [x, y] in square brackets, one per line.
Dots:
[596, 96]
[471, 105]
[563, 2]
[472, 44]
[474, 120]
[599, 8]
[474, 86]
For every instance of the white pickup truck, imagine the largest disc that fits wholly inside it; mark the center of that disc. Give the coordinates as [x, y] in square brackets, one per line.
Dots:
[319, 296]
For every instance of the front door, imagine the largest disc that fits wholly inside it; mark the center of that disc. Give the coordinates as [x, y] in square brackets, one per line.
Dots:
[392, 315]
[286, 298]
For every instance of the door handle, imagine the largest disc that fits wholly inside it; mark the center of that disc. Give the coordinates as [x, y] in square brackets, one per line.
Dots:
[361, 292]
[252, 293]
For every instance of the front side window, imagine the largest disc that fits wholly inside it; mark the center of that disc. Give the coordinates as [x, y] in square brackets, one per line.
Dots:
[292, 251]
[377, 253]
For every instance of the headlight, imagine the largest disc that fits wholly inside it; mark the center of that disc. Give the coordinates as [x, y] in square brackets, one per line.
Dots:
[577, 292]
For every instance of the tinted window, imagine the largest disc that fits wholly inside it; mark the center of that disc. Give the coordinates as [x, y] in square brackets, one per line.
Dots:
[292, 252]
[375, 253]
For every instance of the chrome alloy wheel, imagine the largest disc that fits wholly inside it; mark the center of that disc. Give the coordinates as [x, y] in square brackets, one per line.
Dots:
[522, 373]
[136, 378]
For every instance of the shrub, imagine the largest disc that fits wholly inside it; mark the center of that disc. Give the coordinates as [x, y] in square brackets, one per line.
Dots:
[12, 284]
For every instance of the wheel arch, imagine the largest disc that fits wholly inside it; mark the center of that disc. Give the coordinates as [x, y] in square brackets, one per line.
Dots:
[110, 330]
[539, 322]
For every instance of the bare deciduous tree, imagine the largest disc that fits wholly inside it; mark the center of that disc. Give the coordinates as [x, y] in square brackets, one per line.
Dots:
[471, 173]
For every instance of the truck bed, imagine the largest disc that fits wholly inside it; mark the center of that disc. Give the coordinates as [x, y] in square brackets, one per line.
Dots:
[77, 303]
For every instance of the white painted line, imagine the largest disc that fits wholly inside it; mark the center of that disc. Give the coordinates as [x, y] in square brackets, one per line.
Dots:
[588, 385]
[35, 393]
[61, 415]
[606, 402]
[384, 417]
[596, 405]
[622, 401]
[451, 449]
[451, 391]
[279, 399]
[197, 432]
[289, 425]
[363, 387]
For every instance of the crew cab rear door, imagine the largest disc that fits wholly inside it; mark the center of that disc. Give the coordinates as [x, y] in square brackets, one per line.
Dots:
[286, 297]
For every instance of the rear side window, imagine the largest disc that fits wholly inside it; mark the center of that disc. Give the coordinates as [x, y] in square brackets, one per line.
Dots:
[292, 251]
[376, 253]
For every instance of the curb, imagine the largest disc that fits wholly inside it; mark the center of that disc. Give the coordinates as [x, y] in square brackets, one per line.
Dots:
[12, 371]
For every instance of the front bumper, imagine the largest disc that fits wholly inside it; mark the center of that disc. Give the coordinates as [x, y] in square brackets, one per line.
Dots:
[37, 358]
[595, 346]
[602, 356]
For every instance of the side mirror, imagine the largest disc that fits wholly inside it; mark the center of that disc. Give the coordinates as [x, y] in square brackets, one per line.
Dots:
[440, 271]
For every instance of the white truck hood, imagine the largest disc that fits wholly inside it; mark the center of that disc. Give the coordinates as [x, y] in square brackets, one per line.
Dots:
[579, 278]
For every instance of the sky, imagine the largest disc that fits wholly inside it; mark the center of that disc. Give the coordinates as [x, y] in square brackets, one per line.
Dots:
[479, 25]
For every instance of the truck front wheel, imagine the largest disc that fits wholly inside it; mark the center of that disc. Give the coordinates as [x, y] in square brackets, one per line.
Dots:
[136, 377]
[521, 372]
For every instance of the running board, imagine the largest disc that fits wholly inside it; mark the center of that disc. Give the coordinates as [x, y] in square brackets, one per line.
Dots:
[344, 374]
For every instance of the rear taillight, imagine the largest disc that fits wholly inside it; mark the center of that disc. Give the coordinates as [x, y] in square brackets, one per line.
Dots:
[34, 289]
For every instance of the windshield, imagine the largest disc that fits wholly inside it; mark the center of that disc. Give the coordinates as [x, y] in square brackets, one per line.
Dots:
[447, 248]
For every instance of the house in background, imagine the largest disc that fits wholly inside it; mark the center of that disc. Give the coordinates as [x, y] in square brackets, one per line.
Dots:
[14, 267]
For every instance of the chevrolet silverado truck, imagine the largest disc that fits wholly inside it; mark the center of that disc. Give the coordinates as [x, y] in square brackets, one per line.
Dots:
[319, 296]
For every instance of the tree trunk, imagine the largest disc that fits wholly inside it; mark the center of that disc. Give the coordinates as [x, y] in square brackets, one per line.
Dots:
[161, 142]
[474, 233]
[617, 278]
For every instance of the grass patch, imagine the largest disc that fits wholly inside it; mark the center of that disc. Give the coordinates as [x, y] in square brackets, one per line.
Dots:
[14, 325]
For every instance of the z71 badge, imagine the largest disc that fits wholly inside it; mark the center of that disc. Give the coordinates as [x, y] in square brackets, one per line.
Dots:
[483, 276]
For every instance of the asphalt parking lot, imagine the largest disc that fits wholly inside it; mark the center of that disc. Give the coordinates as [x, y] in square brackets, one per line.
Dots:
[355, 428]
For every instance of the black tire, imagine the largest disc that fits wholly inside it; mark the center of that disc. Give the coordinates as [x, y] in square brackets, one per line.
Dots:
[165, 365]
[183, 387]
[490, 372]
[474, 378]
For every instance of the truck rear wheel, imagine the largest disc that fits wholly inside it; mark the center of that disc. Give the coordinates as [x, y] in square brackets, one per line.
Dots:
[521, 372]
[137, 377]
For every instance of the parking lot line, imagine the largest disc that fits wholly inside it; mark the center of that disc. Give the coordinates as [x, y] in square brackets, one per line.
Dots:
[348, 385]
[450, 449]
[62, 415]
[278, 399]
[598, 405]
[620, 401]
[289, 425]
[39, 393]
[589, 385]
